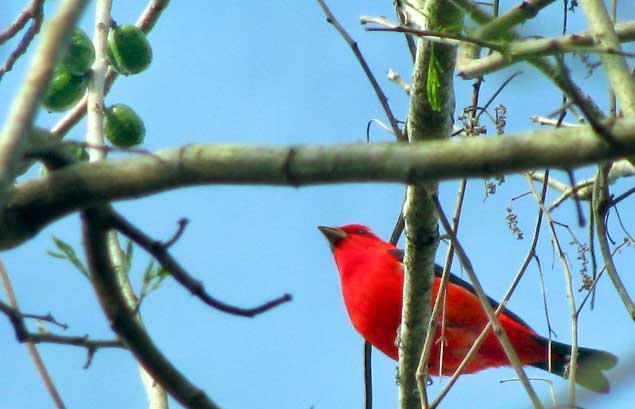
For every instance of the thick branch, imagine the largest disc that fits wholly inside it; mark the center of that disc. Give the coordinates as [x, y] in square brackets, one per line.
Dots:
[36, 203]
[429, 118]
[620, 78]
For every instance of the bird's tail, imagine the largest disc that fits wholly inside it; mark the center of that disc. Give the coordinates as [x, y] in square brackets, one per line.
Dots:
[591, 363]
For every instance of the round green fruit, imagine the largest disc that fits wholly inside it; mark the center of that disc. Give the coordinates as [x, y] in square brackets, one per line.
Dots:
[64, 91]
[80, 54]
[128, 49]
[123, 127]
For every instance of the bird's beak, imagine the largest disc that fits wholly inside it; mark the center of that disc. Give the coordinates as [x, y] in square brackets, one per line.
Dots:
[333, 234]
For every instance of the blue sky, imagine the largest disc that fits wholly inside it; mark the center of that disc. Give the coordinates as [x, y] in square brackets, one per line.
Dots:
[276, 72]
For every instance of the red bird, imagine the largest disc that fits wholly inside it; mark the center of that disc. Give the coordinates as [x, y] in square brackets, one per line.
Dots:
[371, 273]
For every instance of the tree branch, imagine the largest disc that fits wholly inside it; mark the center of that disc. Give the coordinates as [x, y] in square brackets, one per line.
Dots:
[429, 118]
[383, 100]
[122, 318]
[22, 334]
[25, 105]
[32, 12]
[600, 210]
[520, 50]
[620, 78]
[489, 311]
[160, 252]
[36, 203]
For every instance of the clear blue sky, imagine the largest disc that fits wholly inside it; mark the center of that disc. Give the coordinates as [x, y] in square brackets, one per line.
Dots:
[276, 72]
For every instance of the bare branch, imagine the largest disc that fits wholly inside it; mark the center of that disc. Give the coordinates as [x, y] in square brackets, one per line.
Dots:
[573, 364]
[22, 113]
[17, 321]
[36, 203]
[22, 334]
[429, 118]
[515, 16]
[28, 13]
[160, 252]
[383, 100]
[32, 12]
[481, 338]
[523, 49]
[617, 71]
[491, 314]
[122, 318]
[600, 209]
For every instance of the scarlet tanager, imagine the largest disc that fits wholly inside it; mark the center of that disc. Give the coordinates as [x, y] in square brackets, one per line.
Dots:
[371, 273]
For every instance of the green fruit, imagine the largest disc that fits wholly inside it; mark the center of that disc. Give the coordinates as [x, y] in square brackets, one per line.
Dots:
[64, 91]
[123, 127]
[128, 49]
[80, 54]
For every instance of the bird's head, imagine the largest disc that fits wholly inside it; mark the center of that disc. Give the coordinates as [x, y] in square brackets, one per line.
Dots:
[355, 235]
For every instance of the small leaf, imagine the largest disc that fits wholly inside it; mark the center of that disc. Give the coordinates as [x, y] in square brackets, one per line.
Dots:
[56, 255]
[67, 252]
[128, 255]
[433, 83]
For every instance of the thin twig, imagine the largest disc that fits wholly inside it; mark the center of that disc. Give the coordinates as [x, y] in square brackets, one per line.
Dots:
[442, 36]
[439, 303]
[160, 252]
[573, 93]
[46, 318]
[179, 232]
[515, 16]
[498, 329]
[34, 12]
[626, 242]
[122, 318]
[95, 93]
[35, 355]
[541, 120]
[576, 198]
[498, 91]
[600, 210]
[614, 201]
[383, 100]
[18, 24]
[368, 375]
[570, 298]
[481, 338]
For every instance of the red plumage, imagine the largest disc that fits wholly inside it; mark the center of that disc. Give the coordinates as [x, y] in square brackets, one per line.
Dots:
[371, 275]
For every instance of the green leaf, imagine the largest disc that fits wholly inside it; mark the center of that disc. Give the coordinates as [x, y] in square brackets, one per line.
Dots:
[128, 253]
[152, 279]
[67, 252]
[433, 83]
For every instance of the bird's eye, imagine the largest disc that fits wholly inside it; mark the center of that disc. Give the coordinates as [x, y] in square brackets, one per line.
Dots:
[362, 232]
